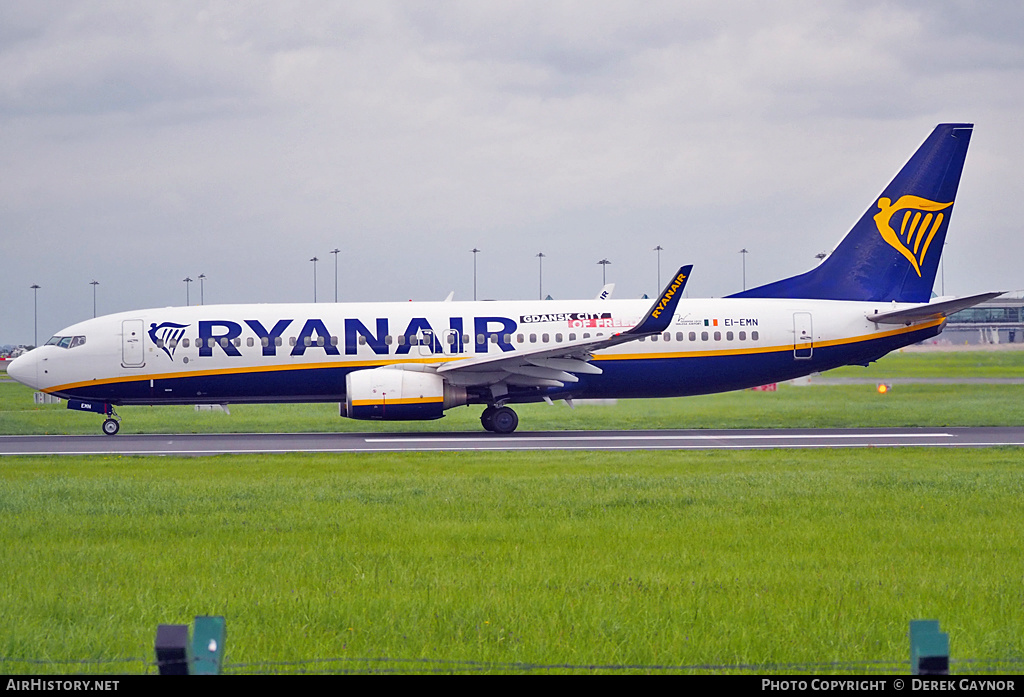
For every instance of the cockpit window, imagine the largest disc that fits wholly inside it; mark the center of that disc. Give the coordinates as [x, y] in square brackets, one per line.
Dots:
[66, 341]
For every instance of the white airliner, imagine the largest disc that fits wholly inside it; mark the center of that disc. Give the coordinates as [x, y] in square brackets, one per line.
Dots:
[408, 361]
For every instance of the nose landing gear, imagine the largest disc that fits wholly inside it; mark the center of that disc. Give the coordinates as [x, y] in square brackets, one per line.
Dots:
[111, 425]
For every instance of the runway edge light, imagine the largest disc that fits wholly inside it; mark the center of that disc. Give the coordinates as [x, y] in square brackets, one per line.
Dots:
[884, 387]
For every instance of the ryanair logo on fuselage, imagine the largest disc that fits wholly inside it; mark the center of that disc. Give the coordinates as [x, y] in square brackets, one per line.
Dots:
[166, 335]
[920, 221]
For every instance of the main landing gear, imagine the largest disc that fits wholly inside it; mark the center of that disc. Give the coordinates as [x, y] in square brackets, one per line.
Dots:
[499, 419]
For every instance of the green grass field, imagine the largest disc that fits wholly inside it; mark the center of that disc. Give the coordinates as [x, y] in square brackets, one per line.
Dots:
[940, 364]
[516, 562]
[806, 407]
[578, 559]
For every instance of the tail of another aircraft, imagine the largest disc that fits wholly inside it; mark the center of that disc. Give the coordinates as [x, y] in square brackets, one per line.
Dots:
[892, 253]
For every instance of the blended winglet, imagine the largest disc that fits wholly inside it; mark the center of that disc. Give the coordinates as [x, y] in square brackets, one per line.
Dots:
[660, 315]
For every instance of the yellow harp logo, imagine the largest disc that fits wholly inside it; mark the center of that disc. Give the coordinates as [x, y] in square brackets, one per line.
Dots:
[921, 220]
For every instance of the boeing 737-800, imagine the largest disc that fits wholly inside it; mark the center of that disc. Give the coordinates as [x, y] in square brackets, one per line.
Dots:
[407, 361]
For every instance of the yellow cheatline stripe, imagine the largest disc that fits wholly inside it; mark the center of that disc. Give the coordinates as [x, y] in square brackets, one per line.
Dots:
[244, 371]
[766, 349]
[386, 402]
[448, 359]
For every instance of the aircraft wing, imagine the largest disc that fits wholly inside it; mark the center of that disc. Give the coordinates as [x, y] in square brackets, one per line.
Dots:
[931, 310]
[553, 366]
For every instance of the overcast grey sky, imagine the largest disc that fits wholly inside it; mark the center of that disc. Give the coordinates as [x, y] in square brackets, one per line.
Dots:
[141, 143]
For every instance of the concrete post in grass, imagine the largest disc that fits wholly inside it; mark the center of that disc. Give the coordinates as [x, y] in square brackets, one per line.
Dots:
[929, 648]
[208, 646]
[204, 655]
[172, 649]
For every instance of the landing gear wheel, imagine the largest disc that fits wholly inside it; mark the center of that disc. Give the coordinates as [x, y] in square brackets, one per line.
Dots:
[487, 419]
[504, 420]
[111, 427]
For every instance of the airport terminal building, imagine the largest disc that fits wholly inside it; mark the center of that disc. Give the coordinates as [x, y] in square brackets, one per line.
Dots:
[996, 321]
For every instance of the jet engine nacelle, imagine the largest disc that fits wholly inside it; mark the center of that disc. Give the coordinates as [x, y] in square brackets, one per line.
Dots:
[391, 394]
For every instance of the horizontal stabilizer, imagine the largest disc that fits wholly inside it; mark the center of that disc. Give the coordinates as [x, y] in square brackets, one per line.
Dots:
[931, 310]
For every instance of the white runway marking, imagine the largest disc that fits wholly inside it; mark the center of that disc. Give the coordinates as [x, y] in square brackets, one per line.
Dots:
[213, 444]
[780, 436]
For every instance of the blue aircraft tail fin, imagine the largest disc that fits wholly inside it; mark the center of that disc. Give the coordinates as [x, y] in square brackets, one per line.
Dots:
[893, 251]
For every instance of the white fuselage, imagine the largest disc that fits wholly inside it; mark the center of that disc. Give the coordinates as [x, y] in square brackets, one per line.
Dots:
[302, 352]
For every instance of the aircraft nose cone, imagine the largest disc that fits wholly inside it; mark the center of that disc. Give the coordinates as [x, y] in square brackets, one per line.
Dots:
[23, 369]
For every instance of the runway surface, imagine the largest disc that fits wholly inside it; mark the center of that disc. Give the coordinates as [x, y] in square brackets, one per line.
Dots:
[216, 444]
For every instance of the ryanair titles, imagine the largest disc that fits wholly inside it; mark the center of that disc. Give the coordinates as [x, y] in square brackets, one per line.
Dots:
[674, 286]
[296, 337]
